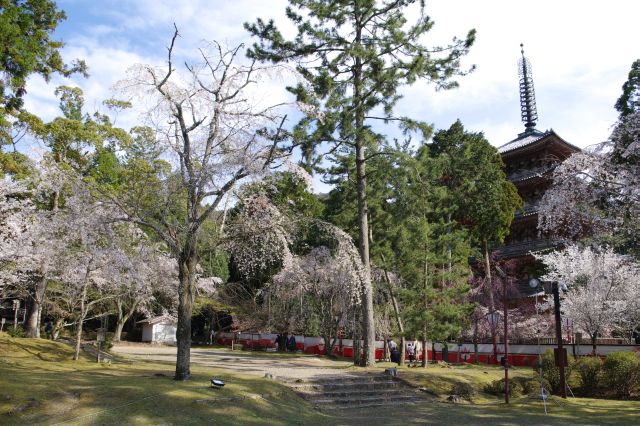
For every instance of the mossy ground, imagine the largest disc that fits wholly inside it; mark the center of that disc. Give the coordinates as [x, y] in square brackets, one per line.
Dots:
[39, 383]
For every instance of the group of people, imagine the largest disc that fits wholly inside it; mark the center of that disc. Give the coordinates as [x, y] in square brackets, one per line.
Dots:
[412, 352]
[285, 342]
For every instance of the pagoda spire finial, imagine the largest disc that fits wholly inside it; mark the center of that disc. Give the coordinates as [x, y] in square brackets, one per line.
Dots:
[528, 110]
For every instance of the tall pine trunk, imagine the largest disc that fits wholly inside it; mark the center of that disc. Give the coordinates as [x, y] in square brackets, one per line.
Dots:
[186, 276]
[33, 323]
[425, 325]
[363, 212]
[396, 309]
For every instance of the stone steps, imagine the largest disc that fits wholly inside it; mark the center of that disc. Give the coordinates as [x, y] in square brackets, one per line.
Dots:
[357, 391]
[360, 400]
[346, 387]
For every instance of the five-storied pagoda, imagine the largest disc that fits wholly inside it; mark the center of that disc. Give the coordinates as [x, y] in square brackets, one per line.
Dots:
[529, 163]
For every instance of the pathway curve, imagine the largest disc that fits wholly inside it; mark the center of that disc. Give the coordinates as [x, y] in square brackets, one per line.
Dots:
[281, 367]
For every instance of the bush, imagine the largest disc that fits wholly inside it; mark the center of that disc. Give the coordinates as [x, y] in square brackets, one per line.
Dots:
[531, 385]
[497, 388]
[108, 342]
[463, 390]
[621, 373]
[17, 332]
[589, 370]
[551, 373]
[518, 386]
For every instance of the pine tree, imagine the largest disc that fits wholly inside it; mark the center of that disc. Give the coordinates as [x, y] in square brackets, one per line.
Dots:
[354, 57]
[629, 101]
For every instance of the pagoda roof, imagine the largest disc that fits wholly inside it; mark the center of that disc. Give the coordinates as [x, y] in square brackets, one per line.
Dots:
[529, 139]
[523, 139]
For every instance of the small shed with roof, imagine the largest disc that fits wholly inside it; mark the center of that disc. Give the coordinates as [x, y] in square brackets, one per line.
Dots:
[161, 329]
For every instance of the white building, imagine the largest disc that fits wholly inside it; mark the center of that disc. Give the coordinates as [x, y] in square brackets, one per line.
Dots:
[160, 329]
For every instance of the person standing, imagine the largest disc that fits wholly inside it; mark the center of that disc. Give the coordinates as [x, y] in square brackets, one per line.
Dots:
[411, 351]
[291, 343]
[48, 328]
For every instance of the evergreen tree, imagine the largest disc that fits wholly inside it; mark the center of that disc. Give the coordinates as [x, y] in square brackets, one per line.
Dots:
[354, 56]
[26, 49]
[485, 200]
[431, 253]
[629, 100]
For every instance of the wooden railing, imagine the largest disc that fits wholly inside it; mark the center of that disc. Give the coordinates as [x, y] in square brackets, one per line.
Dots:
[522, 248]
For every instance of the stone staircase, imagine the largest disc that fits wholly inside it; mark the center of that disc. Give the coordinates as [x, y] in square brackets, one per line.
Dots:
[357, 391]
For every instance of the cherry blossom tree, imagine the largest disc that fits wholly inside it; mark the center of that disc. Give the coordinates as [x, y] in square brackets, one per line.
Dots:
[326, 278]
[15, 211]
[214, 134]
[597, 191]
[602, 287]
[30, 250]
[147, 275]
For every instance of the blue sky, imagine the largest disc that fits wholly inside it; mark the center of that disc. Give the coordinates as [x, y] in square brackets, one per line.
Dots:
[581, 52]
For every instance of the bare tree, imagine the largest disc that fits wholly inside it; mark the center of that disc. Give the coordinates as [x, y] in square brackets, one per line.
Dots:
[214, 136]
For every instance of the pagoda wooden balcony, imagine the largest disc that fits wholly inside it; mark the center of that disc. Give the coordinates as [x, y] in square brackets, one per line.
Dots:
[524, 174]
[525, 247]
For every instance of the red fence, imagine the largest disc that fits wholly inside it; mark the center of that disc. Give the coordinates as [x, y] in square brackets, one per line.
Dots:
[519, 354]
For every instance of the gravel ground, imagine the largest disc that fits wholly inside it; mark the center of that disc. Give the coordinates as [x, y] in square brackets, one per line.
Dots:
[283, 368]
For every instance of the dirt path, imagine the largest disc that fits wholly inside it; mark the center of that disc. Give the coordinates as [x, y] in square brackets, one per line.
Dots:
[281, 367]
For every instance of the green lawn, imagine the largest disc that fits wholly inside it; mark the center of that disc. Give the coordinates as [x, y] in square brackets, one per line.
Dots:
[40, 384]
[491, 410]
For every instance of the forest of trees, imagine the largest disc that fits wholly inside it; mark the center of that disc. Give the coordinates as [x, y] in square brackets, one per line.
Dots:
[205, 206]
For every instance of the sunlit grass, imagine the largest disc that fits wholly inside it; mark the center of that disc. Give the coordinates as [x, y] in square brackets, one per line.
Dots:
[40, 384]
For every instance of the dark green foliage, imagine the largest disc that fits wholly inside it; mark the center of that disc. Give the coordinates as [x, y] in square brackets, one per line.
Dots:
[621, 373]
[26, 48]
[629, 101]
[15, 332]
[589, 370]
[355, 56]
[471, 168]
[15, 164]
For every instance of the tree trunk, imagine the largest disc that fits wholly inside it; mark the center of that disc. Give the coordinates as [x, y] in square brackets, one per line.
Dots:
[185, 310]
[445, 351]
[32, 327]
[403, 355]
[119, 322]
[425, 359]
[425, 325]
[449, 254]
[492, 309]
[57, 328]
[81, 317]
[363, 218]
[123, 317]
[396, 309]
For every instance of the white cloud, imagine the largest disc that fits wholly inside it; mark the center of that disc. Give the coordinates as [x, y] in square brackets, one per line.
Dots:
[581, 52]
